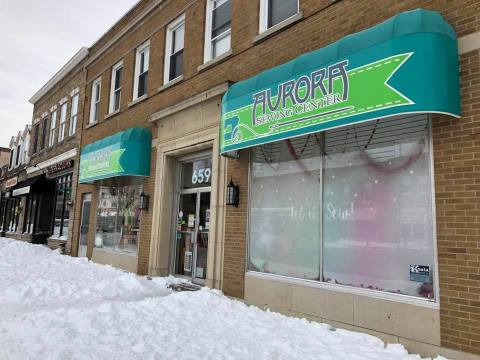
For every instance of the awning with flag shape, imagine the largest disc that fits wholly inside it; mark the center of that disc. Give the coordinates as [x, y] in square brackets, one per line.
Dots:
[126, 153]
[407, 64]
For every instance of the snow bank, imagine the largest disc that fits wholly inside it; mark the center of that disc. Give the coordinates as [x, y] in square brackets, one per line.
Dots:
[57, 307]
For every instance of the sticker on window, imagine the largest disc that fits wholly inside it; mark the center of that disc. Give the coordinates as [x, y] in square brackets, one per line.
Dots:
[419, 273]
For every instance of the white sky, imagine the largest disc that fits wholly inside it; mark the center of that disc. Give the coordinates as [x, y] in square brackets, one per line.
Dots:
[37, 37]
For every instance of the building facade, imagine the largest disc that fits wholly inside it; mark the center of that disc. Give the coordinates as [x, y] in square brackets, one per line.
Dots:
[342, 135]
[13, 180]
[55, 138]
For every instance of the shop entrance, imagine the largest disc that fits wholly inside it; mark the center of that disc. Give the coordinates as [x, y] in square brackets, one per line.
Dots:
[84, 225]
[192, 220]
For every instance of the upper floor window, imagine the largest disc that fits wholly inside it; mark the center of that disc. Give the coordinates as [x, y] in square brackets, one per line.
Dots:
[141, 70]
[174, 49]
[19, 150]
[63, 119]
[44, 133]
[217, 28]
[12, 154]
[35, 138]
[73, 116]
[53, 128]
[116, 87]
[273, 12]
[95, 100]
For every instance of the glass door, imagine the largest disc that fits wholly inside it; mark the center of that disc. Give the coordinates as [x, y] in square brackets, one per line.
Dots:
[201, 243]
[192, 220]
[193, 223]
[84, 225]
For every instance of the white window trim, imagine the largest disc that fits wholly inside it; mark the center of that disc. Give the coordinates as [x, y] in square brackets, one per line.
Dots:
[62, 122]
[139, 51]
[112, 87]
[51, 136]
[207, 56]
[72, 127]
[168, 44]
[91, 118]
[263, 16]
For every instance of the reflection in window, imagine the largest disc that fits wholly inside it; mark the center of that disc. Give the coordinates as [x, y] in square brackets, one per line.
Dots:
[377, 206]
[285, 208]
[118, 216]
[359, 198]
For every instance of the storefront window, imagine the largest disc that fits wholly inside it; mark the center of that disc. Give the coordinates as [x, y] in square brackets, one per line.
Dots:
[13, 215]
[360, 215]
[119, 214]
[30, 213]
[285, 208]
[62, 208]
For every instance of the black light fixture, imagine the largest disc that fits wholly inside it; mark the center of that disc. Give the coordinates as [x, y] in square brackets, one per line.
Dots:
[144, 201]
[233, 194]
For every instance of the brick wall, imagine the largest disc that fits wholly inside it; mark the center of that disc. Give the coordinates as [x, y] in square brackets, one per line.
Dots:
[235, 224]
[74, 79]
[457, 184]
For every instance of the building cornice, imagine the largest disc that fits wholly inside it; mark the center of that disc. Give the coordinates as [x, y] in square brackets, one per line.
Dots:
[69, 66]
[131, 24]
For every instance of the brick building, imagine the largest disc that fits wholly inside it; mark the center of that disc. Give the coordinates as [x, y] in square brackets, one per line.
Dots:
[54, 148]
[367, 221]
[13, 178]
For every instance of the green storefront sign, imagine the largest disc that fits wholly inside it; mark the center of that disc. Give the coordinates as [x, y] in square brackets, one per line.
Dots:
[126, 153]
[408, 64]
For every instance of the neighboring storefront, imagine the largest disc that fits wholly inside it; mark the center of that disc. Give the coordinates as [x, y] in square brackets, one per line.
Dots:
[48, 199]
[337, 147]
[115, 167]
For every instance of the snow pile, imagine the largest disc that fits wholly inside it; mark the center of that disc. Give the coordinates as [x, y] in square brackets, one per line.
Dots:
[57, 307]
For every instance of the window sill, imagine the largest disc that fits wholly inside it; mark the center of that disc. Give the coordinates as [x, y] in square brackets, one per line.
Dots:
[56, 238]
[170, 83]
[216, 60]
[285, 23]
[137, 100]
[112, 114]
[91, 125]
[115, 252]
[399, 298]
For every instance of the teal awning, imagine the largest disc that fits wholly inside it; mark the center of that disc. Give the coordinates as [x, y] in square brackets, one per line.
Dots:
[407, 64]
[126, 153]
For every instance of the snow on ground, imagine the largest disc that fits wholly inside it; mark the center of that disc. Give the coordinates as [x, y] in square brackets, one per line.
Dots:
[58, 307]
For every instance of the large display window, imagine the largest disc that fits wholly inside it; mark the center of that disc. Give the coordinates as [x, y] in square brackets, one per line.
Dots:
[119, 214]
[350, 206]
[63, 193]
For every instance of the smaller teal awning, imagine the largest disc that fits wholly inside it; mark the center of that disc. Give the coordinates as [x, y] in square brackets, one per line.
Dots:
[126, 153]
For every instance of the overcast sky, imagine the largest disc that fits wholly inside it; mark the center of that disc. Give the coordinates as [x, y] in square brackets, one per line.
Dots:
[37, 37]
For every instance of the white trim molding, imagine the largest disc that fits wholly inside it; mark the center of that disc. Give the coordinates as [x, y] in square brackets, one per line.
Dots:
[63, 100]
[74, 92]
[185, 104]
[53, 108]
[44, 164]
[469, 43]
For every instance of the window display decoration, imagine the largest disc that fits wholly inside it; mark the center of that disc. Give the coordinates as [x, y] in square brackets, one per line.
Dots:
[352, 206]
[119, 214]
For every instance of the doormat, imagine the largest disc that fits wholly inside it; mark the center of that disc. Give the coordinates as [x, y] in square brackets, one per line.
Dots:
[184, 287]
